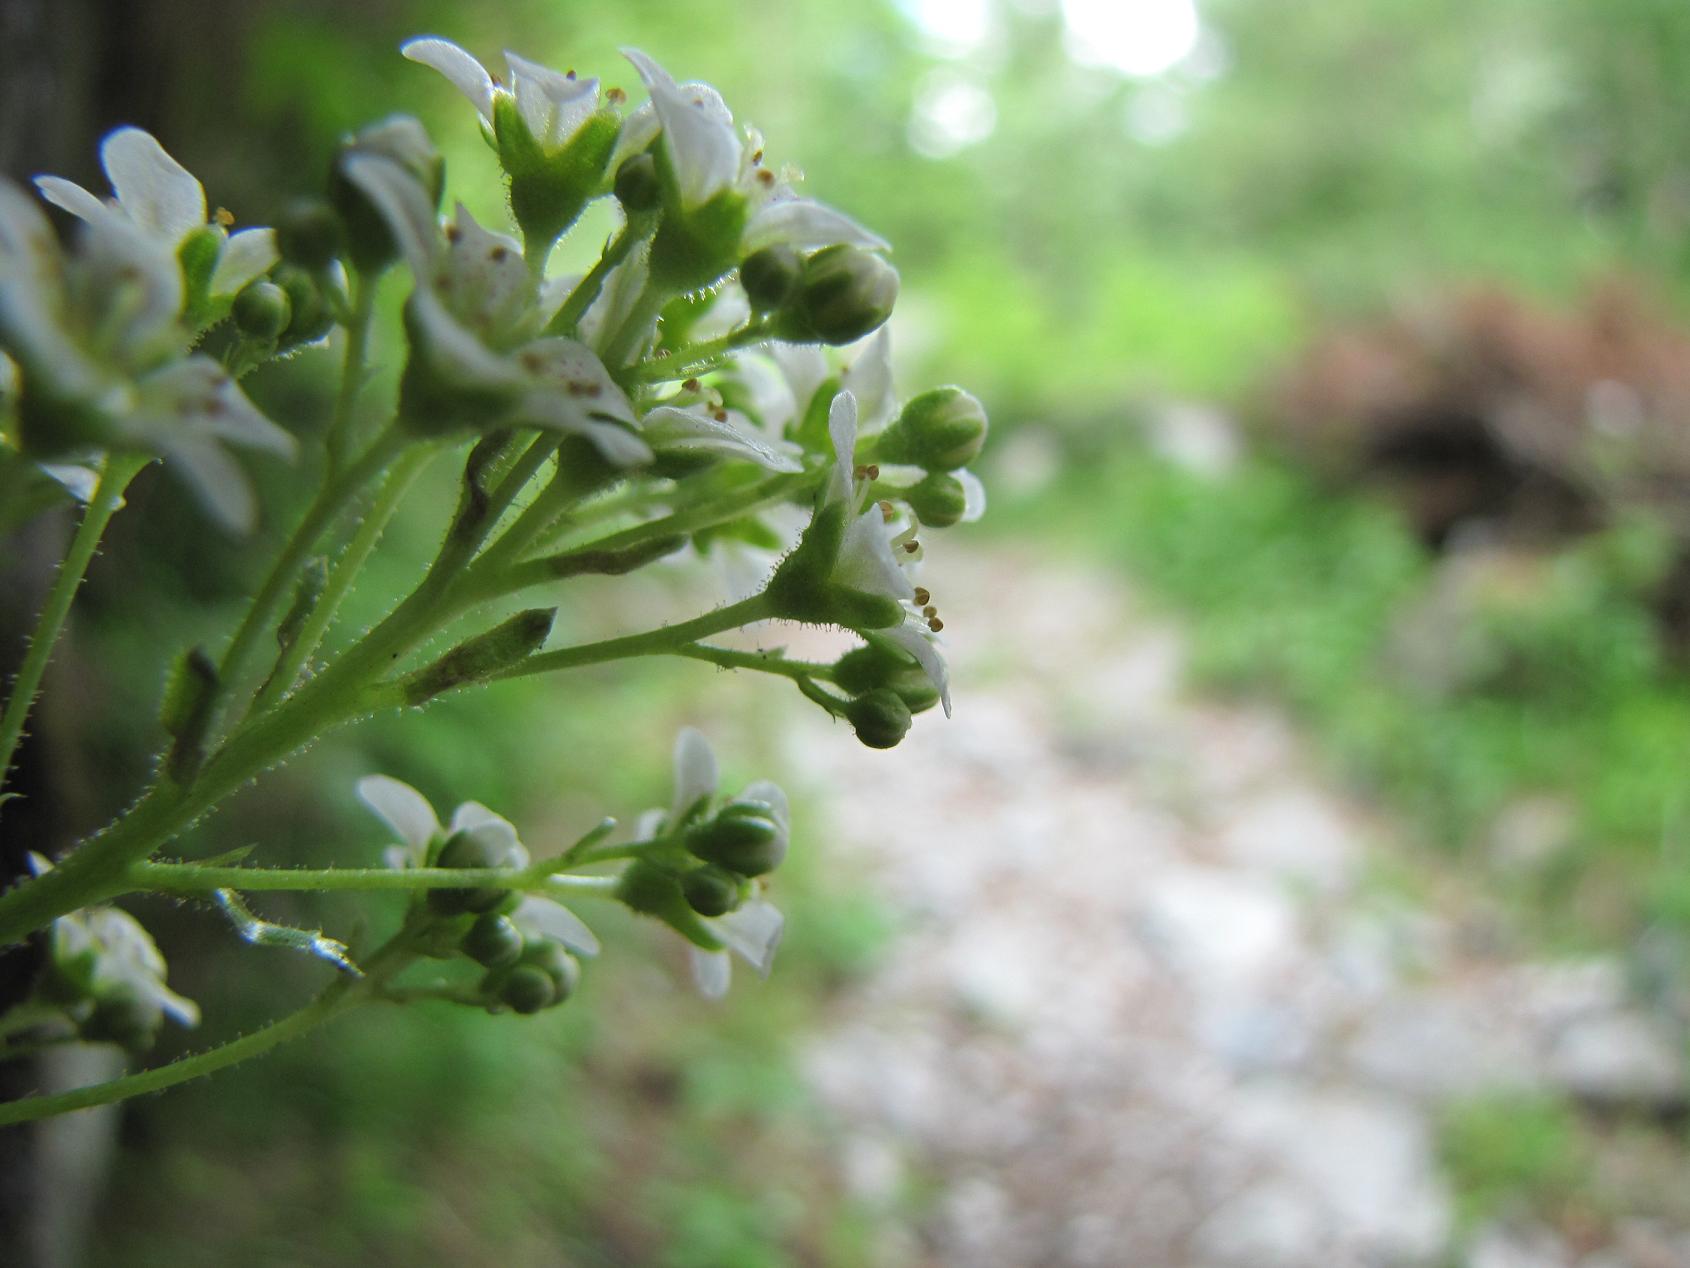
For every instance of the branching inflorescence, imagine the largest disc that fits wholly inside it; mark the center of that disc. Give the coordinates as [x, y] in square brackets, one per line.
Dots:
[678, 395]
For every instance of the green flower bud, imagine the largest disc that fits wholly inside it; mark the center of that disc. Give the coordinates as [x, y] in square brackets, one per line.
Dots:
[938, 501]
[637, 186]
[468, 849]
[525, 988]
[843, 294]
[479, 658]
[557, 964]
[493, 940]
[880, 719]
[941, 429]
[400, 140]
[124, 1017]
[262, 311]
[744, 836]
[654, 891]
[311, 318]
[308, 234]
[868, 668]
[712, 890]
[770, 276]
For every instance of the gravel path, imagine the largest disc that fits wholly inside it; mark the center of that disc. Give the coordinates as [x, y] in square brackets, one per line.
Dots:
[1150, 1003]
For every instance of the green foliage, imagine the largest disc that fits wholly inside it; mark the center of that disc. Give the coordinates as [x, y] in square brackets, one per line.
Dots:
[1510, 1151]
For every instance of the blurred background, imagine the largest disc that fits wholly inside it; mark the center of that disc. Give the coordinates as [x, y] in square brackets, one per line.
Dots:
[1304, 879]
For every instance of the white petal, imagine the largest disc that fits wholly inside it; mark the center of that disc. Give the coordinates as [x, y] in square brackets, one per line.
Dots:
[753, 932]
[772, 795]
[617, 445]
[484, 281]
[920, 644]
[215, 478]
[69, 196]
[499, 841]
[695, 772]
[694, 431]
[973, 495]
[869, 379]
[78, 481]
[866, 560]
[842, 429]
[403, 808]
[467, 75]
[455, 350]
[472, 814]
[806, 369]
[806, 225]
[554, 920]
[712, 972]
[402, 203]
[648, 825]
[698, 132]
[552, 104]
[639, 130]
[199, 396]
[581, 376]
[398, 857]
[153, 189]
[246, 255]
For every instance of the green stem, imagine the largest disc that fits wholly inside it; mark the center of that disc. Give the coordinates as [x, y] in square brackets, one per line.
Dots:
[346, 572]
[769, 662]
[237, 660]
[196, 878]
[651, 643]
[700, 357]
[115, 476]
[353, 370]
[340, 996]
[627, 339]
[568, 318]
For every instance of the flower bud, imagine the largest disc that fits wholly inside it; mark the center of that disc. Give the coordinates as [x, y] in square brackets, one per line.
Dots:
[941, 429]
[524, 988]
[655, 891]
[770, 276]
[711, 890]
[262, 311]
[880, 719]
[308, 234]
[637, 185]
[402, 141]
[558, 965]
[479, 658]
[843, 294]
[310, 318]
[865, 669]
[939, 500]
[744, 836]
[493, 940]
[550, 186]
[469, 849]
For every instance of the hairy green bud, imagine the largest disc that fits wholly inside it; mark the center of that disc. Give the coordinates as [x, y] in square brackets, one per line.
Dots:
[711, 890]
[941, 429]
[881, 718]
[469, 849]
[744, 837]
[637, 186]
[308, 234]
[939, 500]
[843, 294]
[309, 316]
[770, 276]
[400, 140]
[493, 940]
[262, 311]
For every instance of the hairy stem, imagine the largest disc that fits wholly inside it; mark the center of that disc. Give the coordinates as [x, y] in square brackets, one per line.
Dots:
[115, 476]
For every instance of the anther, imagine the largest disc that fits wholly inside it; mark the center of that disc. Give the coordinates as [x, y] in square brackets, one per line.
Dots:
[616, 96]
[691, 385]
[922, 596]
[224, 217]
[935, 624]
[930, 611]
[872, 471]
[911, 546]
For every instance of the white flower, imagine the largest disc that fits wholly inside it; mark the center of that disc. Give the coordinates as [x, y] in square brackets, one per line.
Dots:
[476, 309]
[753, 930]
[163, 200]
[725, 433]
[551, 104]
[708, 158]
[102, 355]
[409, 814]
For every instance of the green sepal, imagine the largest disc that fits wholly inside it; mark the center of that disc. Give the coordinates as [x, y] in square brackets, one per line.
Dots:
[549, 191]
[696, 248]
[198, 257]
[657, 892]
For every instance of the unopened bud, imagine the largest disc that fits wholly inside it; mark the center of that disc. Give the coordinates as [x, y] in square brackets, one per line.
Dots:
[309, 317]
[493, 940]
[744, 836]
[711, 890]
[880, 719]
[400, 140]
[262, 311]
[524, 988]
[470, 849]
[637, 187]
[941, 429]
[308, 234]
[843, 294]
[939, 500]
[769, 276]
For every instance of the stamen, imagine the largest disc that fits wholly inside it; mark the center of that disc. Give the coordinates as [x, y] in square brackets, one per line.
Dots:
[923, 596]
[935, 624]
[930, 611]
[615, 96]
[872, 471]
[691, 385]
[886, 510]
[720, 415]
[224, 217]
[912, 546]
